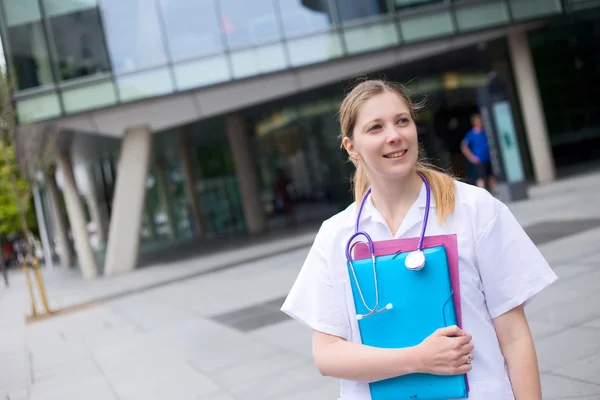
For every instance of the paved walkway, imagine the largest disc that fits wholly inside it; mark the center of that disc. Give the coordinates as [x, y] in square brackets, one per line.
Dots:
[209, 328]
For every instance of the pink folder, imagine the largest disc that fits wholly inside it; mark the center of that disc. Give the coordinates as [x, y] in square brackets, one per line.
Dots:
[385, 247]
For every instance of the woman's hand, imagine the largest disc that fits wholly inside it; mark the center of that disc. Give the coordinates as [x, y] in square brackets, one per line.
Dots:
[446, 352]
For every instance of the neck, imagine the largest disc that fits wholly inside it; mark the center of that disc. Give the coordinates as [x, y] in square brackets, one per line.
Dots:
[394, 199]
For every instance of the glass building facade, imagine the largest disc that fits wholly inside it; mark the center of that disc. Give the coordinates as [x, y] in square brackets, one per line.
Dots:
[74, 56]
[70, 56]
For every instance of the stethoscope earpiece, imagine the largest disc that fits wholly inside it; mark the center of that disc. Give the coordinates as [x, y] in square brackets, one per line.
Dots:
[415, 260]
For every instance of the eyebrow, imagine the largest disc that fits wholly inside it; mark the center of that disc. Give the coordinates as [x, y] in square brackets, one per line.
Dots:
[379, 119]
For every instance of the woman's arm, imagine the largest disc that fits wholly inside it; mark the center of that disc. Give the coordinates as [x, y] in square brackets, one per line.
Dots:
[517, 347]
[445, 352]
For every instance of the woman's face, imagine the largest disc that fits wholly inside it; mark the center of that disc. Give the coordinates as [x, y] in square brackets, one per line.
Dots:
[384, 138]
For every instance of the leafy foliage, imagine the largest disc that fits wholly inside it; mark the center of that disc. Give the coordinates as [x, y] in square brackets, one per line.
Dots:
[9, 210]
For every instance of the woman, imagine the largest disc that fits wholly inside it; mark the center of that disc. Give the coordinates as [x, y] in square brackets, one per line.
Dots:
[500, 268]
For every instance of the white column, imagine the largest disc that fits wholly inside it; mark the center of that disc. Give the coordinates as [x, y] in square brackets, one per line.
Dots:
[245, 172]
[41, 221]
[128, 201]
[76, 215]
[58, 220]
[531, 107]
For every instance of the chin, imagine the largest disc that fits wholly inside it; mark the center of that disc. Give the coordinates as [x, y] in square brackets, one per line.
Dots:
[400, 172]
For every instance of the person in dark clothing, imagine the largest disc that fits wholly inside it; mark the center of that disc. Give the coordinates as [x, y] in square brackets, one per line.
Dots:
[283, 200]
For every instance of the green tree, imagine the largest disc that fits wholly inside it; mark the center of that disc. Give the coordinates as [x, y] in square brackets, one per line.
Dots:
[9, 208]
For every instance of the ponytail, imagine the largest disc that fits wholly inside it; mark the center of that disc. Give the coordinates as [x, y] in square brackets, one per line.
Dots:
[442, 188]
[360, 183]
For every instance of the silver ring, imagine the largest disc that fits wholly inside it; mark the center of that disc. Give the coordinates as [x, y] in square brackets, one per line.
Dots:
[468, 359]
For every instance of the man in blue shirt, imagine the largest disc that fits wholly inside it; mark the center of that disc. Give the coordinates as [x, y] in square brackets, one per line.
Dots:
[475, 148]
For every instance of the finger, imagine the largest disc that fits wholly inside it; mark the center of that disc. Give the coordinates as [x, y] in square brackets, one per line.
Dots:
[463, 369]
[467, 348]
[450, 331]
[465, 339]
[466, 359]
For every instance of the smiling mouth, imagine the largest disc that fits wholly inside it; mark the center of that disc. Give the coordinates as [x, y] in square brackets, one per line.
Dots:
[397, 154]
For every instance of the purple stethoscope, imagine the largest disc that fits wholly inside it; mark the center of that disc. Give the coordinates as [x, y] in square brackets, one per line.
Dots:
[415, 261]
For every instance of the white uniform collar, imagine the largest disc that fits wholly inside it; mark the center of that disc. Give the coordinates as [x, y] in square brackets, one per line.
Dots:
[414, 215]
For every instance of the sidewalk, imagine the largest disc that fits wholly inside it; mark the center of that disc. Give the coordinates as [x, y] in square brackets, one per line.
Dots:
[210, 328]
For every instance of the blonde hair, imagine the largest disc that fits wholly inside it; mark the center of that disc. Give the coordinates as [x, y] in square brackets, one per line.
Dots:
[441, 183]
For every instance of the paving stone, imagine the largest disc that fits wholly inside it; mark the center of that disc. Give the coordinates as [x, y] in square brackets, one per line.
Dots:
[89, 389]
[244, 375]
[566, 347]
[587, 369]
[555, 387]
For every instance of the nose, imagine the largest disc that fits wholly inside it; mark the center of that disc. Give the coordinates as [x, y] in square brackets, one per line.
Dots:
[393, 134]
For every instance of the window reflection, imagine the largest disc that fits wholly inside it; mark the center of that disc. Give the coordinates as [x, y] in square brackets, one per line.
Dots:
[403, 4]
[349, 10]
[133, 34]
[78, 38]
[301, 17]
[28, 52]
[249, 22]
[192, 27]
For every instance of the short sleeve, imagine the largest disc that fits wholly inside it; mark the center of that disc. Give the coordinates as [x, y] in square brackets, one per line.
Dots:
[512, 269]
[467, 140]
[312, 299]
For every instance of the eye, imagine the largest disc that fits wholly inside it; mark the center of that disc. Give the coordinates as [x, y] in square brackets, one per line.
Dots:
[403, 121]
[374, 128]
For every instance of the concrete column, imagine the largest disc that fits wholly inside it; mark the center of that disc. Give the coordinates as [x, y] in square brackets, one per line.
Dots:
[245, 172]
[531, 107]
[76, 214]
[128, 201]
[190, 184]
[41, 221]
[58, 220]
[97, 212]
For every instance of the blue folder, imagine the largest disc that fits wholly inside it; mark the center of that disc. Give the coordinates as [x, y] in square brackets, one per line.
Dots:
[422, 303]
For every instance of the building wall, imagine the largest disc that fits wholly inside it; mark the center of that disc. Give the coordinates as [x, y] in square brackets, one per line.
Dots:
[70, 57]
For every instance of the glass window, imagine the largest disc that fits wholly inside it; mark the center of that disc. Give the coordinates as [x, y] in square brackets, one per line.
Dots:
[133, 34]
[372, 37]
[192, 28]
[350, 10]
[78, 38]
[481, 16]
[145, 84]
[89, 97]
[249, 22]
[27, 44]
[314, 49]
[38, 108]
[304, 17]
[522, 9]
[404, 4]
[426, 26]
[201, 72]
[259, 60]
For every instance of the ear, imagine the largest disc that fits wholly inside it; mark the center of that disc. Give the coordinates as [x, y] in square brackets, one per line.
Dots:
[349, 146]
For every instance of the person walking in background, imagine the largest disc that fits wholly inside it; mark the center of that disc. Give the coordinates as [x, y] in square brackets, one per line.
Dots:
[3, 266]
[476, 149]
[283, 199]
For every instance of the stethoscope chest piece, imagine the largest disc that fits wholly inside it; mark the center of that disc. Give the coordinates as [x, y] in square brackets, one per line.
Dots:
[415, 260]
